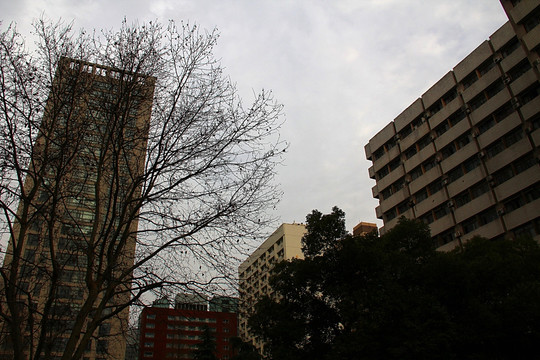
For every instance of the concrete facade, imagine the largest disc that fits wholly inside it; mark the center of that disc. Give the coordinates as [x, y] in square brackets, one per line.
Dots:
[284, 244]
[464, 157]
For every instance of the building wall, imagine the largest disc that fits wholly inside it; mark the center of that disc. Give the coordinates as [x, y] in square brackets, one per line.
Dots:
[464, 157]
[175, 333]
[284, 244]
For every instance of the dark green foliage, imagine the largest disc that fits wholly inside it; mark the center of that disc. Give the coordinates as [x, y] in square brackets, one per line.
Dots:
[323, 231]
[395, 297]
[244, 350]
[206, 349]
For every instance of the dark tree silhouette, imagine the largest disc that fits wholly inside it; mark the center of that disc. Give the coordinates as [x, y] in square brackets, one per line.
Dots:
[395, 297]
[206, 349]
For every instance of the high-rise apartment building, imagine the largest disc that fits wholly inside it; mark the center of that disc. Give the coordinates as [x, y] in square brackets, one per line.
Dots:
[77, 193]
[464, 157]
[284, 244]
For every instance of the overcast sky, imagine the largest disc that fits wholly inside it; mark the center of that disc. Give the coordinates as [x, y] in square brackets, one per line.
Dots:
[342, 68]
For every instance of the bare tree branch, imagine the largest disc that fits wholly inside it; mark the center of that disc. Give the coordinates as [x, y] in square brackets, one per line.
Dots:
[128, 165]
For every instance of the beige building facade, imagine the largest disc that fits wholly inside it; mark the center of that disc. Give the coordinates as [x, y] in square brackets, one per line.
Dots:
[284, 244]
[364, 228]
[464, 157]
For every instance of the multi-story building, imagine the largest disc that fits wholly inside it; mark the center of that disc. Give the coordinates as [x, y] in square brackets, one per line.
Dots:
[167, 333]
[90, 146]
[464, 157]
[284, 244]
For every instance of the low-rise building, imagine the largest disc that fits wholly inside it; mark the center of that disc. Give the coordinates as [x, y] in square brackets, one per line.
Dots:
[167, 333]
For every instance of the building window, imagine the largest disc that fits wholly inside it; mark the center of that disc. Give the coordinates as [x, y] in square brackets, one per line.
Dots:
[102, 346]
[472, 163]
[529, 94]
[519, 69]
[532, 21]
[505, 142]
[410, 152]
[421, 195]
[150, 325]
[378, 153]
[148, 354]
[435, 186]
[462, 199]
[390, 214]
[403, 207]
[442, 128]
[427, 218]
[469, 80]
[151, 316]
[104, 329]
[149, 335]
[33, 240]
[487, 216]
[444, 238]
[416, 173]
[510, 47]
[440, 211]
[383, 172]
[530, 229]
[449, 96]
[448, 150]
[486, 66]
[469, 225]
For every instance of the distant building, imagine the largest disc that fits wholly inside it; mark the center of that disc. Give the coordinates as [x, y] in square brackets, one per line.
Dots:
[161, 303]
[175, 333]
[223, 304]
[464, 157]
[364, 228]
[284, 244]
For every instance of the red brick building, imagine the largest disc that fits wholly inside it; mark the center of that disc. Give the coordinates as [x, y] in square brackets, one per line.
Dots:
[167, 333]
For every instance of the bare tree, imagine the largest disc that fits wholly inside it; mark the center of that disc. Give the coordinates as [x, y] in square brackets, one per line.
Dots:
[128, 165]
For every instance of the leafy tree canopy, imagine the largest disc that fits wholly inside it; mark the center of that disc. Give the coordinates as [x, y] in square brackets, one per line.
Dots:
[395, 297]
[207, 347]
